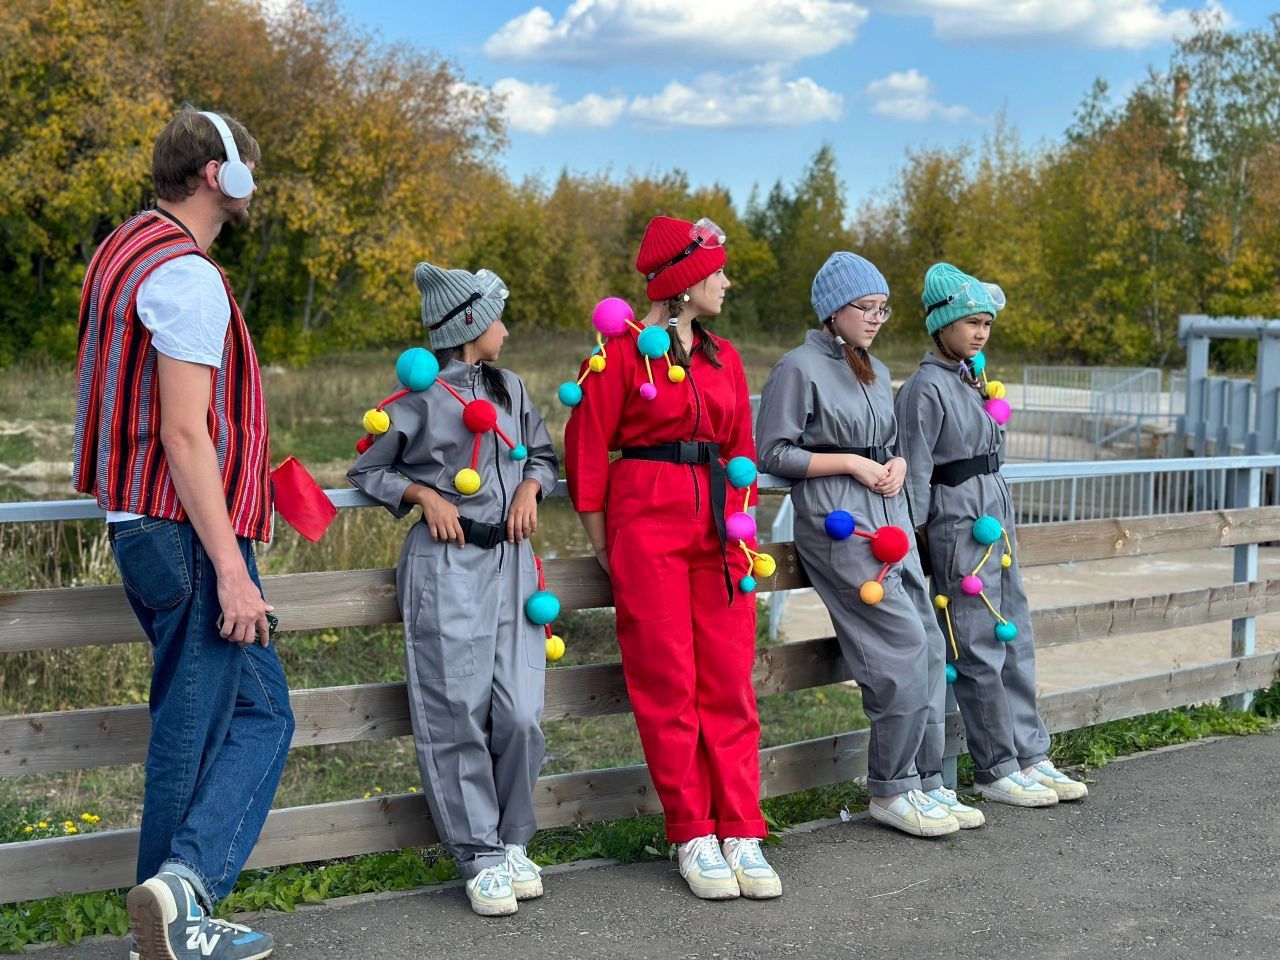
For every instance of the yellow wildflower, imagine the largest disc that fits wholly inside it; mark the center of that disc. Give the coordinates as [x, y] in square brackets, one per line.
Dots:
[42, 825]
[72, 829]
[28, 828]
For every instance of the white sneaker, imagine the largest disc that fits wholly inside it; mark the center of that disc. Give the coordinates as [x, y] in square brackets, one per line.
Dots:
[916, 813]
[1018, 790]
[1046, 774]
[525, 875]
[705, 869]
[490, 892]
[968, 817]
[756, 879]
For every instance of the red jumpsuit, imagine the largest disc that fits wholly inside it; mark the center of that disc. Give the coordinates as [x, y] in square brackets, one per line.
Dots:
[688, 644]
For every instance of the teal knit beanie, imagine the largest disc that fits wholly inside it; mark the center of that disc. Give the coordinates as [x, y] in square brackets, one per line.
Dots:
[951, 295]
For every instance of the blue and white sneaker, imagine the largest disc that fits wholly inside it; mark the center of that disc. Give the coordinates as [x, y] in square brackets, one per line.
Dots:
[490, 893]
[756, 879]
[705, 870]
[916, 813]
[1018, 790]
[968, 817]
[1046, 774]
[525, 875]
[169, 924]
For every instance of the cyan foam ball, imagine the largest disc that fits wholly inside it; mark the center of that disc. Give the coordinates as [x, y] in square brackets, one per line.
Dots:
[542, 607]
[951, 674]
[979, 362]
[417, 369]
[570, 393]
[1006, 632]
[987, 529]
[740, 470]
[747, 584]
[653, 342]
[519, 452]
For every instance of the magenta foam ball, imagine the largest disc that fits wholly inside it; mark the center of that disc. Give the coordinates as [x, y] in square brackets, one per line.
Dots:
[611, 315]
[740, 526]
[648, 391]
[998, 410]
[971, 585]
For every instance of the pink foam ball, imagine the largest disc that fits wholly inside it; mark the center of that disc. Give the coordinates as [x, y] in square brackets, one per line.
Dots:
[998, 410]
[740, 526]
[611, 315]
[648, 391]
[971, 585]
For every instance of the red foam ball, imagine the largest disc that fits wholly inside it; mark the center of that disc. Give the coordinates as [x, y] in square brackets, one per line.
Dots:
[363, 444]
[890, 544]
[479, 416]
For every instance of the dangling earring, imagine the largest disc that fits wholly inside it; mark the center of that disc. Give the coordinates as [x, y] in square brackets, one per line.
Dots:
[831, 326]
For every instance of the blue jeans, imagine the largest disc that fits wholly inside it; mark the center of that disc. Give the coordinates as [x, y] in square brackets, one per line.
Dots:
[220, 717]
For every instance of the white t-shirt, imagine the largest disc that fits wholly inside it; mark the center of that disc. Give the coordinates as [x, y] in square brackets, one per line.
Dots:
[184, 304]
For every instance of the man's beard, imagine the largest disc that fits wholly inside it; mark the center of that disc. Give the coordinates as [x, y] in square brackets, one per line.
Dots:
[235, 212]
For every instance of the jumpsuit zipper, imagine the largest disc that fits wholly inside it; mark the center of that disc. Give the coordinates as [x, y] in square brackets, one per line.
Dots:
[693, 436]
[875, 442]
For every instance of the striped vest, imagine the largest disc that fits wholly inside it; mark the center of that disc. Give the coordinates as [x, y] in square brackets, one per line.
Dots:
[118, 454]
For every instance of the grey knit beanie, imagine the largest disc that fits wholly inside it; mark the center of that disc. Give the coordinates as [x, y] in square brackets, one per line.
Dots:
[458, 305]
[844, 278]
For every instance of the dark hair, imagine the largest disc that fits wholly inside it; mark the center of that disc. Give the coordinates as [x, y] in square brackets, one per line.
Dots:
[186, 144]
[965, 371]
[495, 384]
[701, 339]
[857, 358]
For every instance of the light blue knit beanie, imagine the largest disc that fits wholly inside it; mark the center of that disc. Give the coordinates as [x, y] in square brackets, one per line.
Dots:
[844, 278]
[951, 294]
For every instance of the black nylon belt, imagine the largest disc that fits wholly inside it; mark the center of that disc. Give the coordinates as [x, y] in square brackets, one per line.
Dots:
[696, 452]
[958, 471]
[880, 455]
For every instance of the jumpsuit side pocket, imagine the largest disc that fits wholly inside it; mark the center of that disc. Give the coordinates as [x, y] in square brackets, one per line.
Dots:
[442, 645]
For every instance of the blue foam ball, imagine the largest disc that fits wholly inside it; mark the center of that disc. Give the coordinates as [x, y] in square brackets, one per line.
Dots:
[951, 673]
[542, 607]
[1006, 632]
[570, 393]
[839, 524]
[747, 584]
[653, 342]
[417, 369]
[741, 472]
[979, 362]
[987, 529]
[519, 452]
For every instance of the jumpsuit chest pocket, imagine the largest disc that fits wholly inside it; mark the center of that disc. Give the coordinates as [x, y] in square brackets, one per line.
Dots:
[443, 641]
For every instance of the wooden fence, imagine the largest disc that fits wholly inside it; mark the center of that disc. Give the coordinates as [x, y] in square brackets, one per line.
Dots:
[82, 739]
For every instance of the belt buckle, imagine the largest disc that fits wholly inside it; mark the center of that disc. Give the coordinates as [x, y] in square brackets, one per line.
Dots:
[993, 462]
[688, 452]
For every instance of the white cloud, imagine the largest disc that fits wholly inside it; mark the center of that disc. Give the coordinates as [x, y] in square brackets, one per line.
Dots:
[759, 97]
[1100, 23]
[908, 96]
[603, 32]
[535, 108]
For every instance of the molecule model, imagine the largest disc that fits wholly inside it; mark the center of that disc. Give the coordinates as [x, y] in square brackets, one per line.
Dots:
[889, 545]
[417, 370]
[612, 317]
[741, 526]
[988, 532]
[996, 405]
[541, 608]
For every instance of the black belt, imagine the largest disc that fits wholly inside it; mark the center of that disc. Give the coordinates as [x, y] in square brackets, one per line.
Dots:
[958, 471]
[696, 452]
[878, 454]
[486, 535]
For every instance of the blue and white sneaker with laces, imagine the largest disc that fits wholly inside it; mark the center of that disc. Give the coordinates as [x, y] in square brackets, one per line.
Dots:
[1046, 774]
[526, 876]
[756, 879]
[916, 813]
[705, 869]
[968, 817]
[1018, 790]
[490, 892]
[168, 923]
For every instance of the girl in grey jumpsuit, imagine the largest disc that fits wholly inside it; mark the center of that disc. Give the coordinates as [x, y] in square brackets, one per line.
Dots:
[832, 432]
[952, 436]
[475, 663]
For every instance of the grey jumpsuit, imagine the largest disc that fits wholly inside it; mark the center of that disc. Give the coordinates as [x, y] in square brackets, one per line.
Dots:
[475, 664]
[893, 648]
[942, 420]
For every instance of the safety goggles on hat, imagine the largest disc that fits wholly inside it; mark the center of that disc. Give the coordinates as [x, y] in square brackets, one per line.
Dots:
[994, 294]
[705, 233]
[487, 284]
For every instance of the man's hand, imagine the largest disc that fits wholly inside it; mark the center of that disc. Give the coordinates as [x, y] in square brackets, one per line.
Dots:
[244, 612]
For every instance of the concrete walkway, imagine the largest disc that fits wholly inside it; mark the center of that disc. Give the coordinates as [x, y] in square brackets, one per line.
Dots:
[1176, 854]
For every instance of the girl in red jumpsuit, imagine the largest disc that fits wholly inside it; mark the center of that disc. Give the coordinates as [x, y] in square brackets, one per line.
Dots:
[656, 518]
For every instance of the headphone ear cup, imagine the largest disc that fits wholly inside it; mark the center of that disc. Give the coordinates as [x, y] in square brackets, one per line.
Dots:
[235, 179]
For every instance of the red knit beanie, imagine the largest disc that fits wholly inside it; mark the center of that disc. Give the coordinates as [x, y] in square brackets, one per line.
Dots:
[665, 239]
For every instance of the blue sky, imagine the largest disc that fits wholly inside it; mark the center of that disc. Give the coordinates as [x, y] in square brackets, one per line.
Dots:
[745, 91]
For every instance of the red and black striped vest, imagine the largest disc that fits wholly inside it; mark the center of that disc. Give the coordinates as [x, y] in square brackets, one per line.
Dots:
[118, 454]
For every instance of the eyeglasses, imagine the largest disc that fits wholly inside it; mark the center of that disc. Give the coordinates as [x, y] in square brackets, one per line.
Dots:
[878, 312]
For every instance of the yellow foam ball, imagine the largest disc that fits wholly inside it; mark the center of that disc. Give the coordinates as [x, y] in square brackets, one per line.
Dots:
[675, 373]
[596, 364]
[764, 566]
[555, 647]
[1006, 560]
[995, 390]
[871, 592]
[466, 481]
[376, 421]
[940, 602]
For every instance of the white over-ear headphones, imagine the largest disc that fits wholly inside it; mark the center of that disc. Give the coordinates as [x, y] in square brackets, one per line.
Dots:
[235, 179]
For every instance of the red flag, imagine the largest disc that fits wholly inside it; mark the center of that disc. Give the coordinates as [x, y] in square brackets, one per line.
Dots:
[300, 500]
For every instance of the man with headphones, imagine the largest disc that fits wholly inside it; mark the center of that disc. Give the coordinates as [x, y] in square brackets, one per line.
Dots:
[171, 438]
